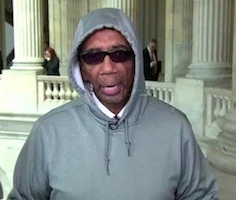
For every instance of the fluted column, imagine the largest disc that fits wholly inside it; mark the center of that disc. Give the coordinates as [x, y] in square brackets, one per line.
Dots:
[63, 19]
[1, 22]
[223, 156]
[183, 40]
[178, 38]
[129, 7]
[2, 31]
[212, 35]
[28, 34]
[149, 20]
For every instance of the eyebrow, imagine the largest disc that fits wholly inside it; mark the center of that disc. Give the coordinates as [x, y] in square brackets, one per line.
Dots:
[112, 48]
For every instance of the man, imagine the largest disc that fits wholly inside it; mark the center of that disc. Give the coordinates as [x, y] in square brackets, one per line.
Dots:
[114, 142]
[152, 67]
[1, 62]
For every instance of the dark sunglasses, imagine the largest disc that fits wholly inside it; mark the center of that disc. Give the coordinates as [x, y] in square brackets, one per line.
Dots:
[117, 55]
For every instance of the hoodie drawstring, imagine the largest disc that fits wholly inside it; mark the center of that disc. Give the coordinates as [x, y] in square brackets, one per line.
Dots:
[114, 126]
[127, 141]
[107, 149]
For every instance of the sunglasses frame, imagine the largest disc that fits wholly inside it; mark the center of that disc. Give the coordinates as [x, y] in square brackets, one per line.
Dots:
[112, 54]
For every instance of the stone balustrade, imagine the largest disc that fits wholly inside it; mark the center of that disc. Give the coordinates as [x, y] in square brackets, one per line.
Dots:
[218, 101]
[54, 91]
[161, 90]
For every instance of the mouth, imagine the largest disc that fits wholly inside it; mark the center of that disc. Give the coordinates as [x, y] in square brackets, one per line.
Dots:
[111, 89]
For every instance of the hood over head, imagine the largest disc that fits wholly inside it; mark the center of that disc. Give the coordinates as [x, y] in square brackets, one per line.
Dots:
[96, 20]
[113, 19]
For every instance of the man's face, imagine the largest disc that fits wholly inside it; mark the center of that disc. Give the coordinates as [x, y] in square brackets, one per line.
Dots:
[153, 46]
[112, 81]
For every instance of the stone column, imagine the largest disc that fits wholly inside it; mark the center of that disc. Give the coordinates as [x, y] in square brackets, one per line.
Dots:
[28, 34]
[149, 19]
[212, 35]
[169, 38]
[20, 82]
[2, 31]
[183, 36]
[127, 6]
[223, 156]
[178, 41]
[63, 19]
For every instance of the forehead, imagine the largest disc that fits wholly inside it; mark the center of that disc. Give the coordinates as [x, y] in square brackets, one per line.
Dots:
[105, 39]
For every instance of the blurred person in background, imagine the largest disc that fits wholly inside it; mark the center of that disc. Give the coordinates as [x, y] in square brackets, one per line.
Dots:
[51, 62]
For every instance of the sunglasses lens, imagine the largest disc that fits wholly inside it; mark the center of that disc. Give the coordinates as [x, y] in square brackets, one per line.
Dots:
[121, 55]
[93, 58]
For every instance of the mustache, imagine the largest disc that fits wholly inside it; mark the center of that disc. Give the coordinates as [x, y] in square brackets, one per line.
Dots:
[110, 81]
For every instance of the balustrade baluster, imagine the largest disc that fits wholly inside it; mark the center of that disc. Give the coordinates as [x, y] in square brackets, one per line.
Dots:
[171, 97]
[48, 92]
[217, 106]
[155, 92]
[161, 94]
[74, 94]
[223, 107]
[229, 103]
[55, 92]
[167, 99]
[62, 91]
[209, 110]
[68, 92]
[149, 91]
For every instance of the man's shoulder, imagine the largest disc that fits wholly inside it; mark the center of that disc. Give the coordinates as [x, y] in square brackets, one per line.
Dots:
[64, 110]
[145, 49]
[162, 109]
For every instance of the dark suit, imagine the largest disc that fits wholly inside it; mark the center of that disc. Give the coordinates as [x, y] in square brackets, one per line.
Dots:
[1, 62]
[1, 191]
[148, 71]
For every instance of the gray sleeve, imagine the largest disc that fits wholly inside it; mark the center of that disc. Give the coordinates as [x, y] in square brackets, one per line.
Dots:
[197, 181]
[30, 176]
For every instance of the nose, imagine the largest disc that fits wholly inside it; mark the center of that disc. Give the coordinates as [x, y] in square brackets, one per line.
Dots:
[108, 66]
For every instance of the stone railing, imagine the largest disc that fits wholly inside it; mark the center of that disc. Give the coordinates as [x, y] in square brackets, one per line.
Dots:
[161, 90]
[54, 91]
[218, 101]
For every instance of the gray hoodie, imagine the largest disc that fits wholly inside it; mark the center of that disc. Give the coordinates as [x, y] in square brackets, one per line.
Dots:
[77, 152]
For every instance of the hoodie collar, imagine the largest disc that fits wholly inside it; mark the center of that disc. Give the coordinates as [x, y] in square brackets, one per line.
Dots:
[104, 109]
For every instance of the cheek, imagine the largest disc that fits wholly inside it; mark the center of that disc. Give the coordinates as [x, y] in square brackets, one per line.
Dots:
[89, 74]
[83, 74]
